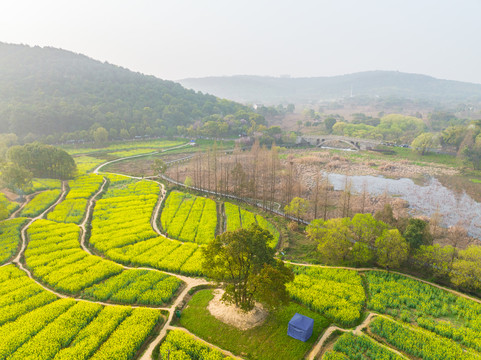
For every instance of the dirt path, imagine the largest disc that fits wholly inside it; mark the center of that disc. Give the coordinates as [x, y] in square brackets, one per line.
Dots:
[155, 214]
[27, 200]
[364, 324]
[23, 232]
[225, 352]
[316, 350]
[147, 355]
[89, 210]
[97, 169]
[318, 347]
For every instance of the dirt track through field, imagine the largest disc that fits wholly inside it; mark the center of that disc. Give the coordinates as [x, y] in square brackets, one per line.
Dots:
[316, 350]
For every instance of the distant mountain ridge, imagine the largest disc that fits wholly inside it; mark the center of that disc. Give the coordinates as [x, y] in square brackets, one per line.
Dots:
[252, 89]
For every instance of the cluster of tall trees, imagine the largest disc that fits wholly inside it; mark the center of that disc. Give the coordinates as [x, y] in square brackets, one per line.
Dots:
[23, 163]
[463, 140]
[43, 161]
[382, 239]
[393, 127]
[253, 174]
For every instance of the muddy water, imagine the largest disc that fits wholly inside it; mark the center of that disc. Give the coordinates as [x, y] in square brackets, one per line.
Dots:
[423, 199]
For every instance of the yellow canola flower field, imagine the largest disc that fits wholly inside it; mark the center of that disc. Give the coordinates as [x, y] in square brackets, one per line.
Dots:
[53, 328]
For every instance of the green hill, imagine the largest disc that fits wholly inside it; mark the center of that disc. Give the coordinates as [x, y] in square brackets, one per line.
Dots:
[303, 90]
[46, 91]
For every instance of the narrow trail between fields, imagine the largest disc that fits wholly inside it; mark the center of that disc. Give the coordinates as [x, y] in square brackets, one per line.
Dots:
[97, 169]
[23, 232]
[20, 208]
[88, 212]
[358, 331]
[147, 355]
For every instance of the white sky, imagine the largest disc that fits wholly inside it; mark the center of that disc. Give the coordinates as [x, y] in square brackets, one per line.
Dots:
[176, 39]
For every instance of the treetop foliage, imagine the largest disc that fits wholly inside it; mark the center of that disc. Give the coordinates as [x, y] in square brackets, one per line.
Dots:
[243, 260]
[43, 161]
[393, 127]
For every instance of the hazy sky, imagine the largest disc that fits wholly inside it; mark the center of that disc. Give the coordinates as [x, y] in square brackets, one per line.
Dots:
[193, 38]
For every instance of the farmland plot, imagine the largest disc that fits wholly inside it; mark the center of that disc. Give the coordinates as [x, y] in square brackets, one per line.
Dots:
[10, 237]
[418, 342]
[55, 257]
[350, 346]
[189, 218]
[35, 324]
[336, 293]
[181, 345]
[11, 206]
[73, 208]
[40, 203]
[122, 230]
[439, 311]
[237, 218]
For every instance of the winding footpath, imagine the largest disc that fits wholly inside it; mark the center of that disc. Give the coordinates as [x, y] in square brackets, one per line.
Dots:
[320, 345]
[17, 259]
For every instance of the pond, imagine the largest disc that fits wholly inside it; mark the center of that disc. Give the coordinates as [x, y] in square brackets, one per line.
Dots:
[423, 199]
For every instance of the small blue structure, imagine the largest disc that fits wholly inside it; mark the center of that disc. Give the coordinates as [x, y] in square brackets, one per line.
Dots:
[300, 327]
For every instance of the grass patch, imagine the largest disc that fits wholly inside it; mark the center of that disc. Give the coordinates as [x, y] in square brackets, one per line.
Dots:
[301, 248]
[407, 154]
[268, 341]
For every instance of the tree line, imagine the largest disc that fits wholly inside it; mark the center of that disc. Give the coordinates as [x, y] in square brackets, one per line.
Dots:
[23, 163]
[398, 243]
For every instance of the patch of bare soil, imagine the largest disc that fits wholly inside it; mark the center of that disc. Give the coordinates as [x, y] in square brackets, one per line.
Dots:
[230, 314]
[393, 168]
[10, 195]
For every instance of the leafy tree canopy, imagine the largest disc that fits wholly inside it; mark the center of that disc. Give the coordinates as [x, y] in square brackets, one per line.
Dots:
[424, 142]
[297, 208]
[392, 249]
[16, 178]
[244, 262]
[417, 233]
[43, 161]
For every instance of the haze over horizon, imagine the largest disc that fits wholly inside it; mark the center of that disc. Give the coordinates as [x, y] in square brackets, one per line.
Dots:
[187, 38]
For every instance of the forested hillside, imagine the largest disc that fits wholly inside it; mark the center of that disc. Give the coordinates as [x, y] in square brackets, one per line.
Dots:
[46, 90]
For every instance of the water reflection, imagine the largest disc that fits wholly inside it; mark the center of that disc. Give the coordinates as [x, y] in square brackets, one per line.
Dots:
[422, 199]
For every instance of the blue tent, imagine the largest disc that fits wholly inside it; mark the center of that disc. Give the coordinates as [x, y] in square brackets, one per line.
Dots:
[300, 327]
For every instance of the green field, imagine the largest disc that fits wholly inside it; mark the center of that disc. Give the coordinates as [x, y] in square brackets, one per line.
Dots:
[267, 341]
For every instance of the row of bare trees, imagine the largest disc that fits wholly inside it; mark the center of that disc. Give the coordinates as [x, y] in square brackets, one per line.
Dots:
[272, 180]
